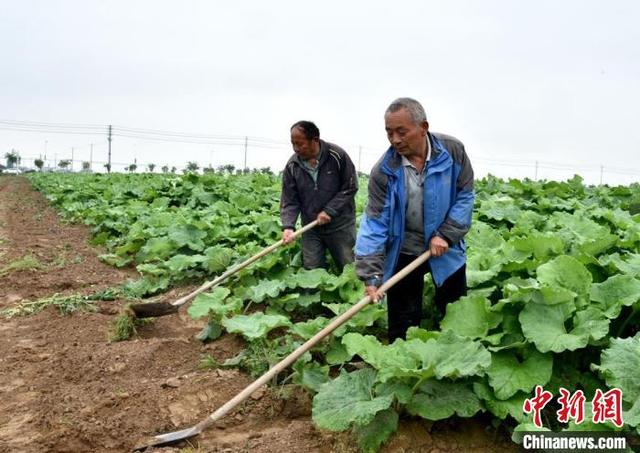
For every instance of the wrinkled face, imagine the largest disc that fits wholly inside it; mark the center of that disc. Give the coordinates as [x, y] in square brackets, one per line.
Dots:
[404, 135]
[302, 146]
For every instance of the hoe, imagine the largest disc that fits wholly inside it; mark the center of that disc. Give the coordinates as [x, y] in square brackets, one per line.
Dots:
[177, 436]
[158, 309]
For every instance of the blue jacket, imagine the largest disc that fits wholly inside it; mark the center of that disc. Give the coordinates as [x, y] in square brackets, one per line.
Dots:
[448, 204]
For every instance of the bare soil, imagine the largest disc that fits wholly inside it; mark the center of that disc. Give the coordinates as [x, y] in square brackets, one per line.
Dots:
[65, 388]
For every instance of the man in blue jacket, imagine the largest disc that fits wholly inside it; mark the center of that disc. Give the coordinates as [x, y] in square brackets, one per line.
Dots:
[420, 197]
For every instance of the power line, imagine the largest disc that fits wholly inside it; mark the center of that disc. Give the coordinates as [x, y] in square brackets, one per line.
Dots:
[56, 125]
[178, 140]
[175, 134]
[50, 131]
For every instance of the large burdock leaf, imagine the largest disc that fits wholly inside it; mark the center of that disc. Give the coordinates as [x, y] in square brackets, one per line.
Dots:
[156, 249]
[615, 292]
[348, 276]
[455, 356]
[620, 366]
[501, 408]
[632, 416]
[471, 317]
[437, 400]
[485, 259]
[348, 400]
[541, 245]
[376, 432]
[255, 325]
[244, 201]
[293, 301]
[309, 279]
[400, 390]
[391, 361]
[508, 374]
[591, 323]
[218, 258]
[500, 207]
[214, 301]
[447, 356]
[337, 353]
[308, 329]
[627, 264]
[180, 263]
[518, 290]
[544, 325]
[582, 233]
[310, 375]
[188, 235]
[266, 289]
[566, 272]
[364, 318]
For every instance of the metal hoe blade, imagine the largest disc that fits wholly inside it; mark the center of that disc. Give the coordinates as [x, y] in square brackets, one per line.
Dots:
[169, 438]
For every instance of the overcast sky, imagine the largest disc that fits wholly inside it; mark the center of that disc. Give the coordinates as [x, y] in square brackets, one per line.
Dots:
[556, 82]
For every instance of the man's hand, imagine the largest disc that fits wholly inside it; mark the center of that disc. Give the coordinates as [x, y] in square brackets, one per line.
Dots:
[323, 218]
[287, 236]
[373, 292]
[438, 246]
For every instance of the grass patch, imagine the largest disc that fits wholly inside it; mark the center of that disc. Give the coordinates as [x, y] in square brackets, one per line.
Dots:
[208, 362]
[125, 325]
[191, 449]
[63, 260]
[65, 304]
[28, 262]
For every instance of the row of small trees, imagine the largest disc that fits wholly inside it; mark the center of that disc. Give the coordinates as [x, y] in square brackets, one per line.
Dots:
[193, 167]
[13, 159]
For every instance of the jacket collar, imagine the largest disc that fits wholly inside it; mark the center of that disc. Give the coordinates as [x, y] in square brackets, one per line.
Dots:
[324, 147]
[392, 163]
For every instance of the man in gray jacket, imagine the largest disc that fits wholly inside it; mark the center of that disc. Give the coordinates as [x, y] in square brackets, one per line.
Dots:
[319, 182]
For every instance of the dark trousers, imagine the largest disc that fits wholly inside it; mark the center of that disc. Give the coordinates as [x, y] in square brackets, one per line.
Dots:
[404, 299]
[340, 244]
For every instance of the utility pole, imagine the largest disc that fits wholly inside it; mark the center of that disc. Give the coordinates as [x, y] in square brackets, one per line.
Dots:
[46, 142]
[109, 159]
[72, 159]
[601, 171]
[535, 178]
[91, 158]
[245, 152]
